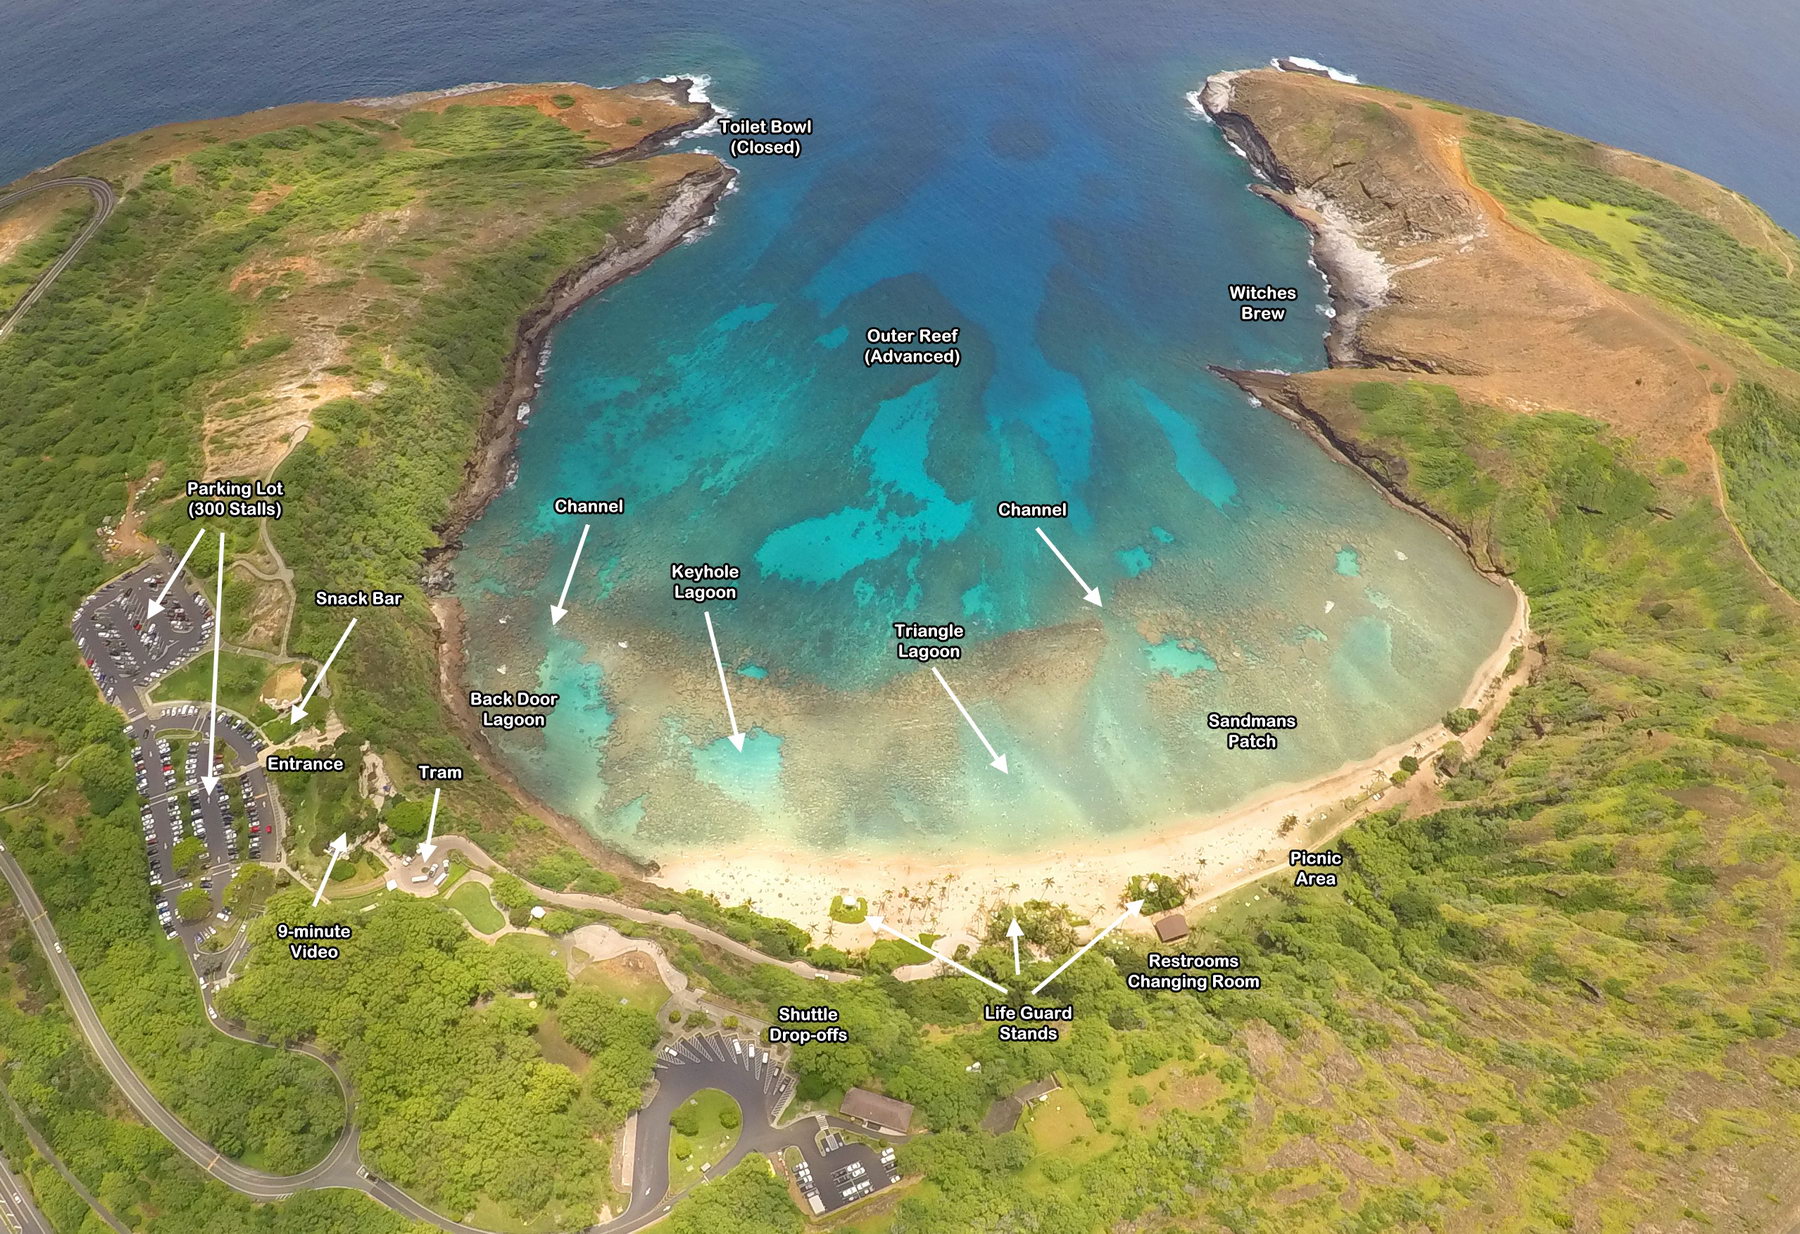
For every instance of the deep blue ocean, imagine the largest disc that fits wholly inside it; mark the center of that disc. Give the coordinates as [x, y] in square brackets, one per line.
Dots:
[1031, 175]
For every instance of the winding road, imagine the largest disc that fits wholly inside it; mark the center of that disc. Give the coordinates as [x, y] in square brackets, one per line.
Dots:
[761, 1089]
[105, 200]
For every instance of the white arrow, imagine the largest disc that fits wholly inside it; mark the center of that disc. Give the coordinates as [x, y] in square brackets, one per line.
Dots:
[210, 780]
[557, 611]
[155, 606]
[999, 763]
[1092, 594]
[877, 923]
[1013, 931]
[1131, 910]
[737, 737]
[299, 708]
[338, 848]
[428, 848]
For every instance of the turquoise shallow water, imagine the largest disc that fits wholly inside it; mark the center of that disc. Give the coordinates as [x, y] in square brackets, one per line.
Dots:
[1029, 173]
[724, 397]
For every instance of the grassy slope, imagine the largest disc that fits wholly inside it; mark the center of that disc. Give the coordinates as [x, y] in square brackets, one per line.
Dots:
[241, 249]
[47, 223]
[1705, 254]
[364, 271]
[1565, 998]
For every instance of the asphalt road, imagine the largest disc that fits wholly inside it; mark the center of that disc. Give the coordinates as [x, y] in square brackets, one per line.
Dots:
[128, 652]
[747, 1073]
[340, 1168]
[16, 1207]
[105, 199]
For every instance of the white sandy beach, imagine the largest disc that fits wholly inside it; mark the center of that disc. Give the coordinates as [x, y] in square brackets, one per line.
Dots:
[951, 895]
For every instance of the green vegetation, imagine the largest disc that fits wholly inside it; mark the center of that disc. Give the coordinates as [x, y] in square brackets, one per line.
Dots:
[455, 1102]
[30, 260]
[227, 270]
[749, 1200]
[629, 979]
[618, 1041]
[70, 1100]
[706, 1126]
[188, 855]
[1565, 189]
[1460, 720]
[1568, 190]
[193, 905]
[241, 680]
[1759, 445]
[472, 901]
[1597, 916]
[849, 914]
[1159, 892]
[273, 1109]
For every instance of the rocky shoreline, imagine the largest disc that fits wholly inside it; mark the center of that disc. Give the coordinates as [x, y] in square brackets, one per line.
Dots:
[1356, 276]
[1357, 279]
[1269, 391]
[490, 467]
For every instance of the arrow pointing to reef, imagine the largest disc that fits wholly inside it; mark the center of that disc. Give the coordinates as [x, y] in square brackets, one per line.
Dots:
[1131, 910]
[1090, 594]
[210, 780]
[299, 708]
[156, 606]
[880, 925]
[999, 759]
[557, 611]
[1013, 932]
[428, 848]
[338, 848]
[737, 736]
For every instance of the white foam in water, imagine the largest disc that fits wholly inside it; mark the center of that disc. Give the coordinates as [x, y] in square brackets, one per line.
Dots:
[1315, 66]
[698, 85]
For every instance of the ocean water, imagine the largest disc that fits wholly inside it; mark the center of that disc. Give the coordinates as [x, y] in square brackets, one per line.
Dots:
[1030, 175]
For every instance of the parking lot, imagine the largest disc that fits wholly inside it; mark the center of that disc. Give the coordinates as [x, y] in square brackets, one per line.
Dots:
[834, 1169]
[128, 651]
[236, 821]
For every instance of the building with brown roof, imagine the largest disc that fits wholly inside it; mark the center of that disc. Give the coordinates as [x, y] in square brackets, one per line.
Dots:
[1172, 929]
[877, 1110]
[1005, 1113]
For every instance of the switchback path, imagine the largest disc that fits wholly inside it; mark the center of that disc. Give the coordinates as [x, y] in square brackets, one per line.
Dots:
[105, 200]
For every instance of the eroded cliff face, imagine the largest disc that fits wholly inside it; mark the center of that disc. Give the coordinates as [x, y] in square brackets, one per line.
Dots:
[1429, 276]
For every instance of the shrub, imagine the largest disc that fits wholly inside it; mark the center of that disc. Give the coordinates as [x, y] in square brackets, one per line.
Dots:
[1159, 892]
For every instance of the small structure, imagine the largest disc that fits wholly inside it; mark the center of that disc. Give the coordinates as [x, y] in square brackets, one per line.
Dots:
[878, 1111]
[537, 912]
[1171, 929]
[1005, 1113]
